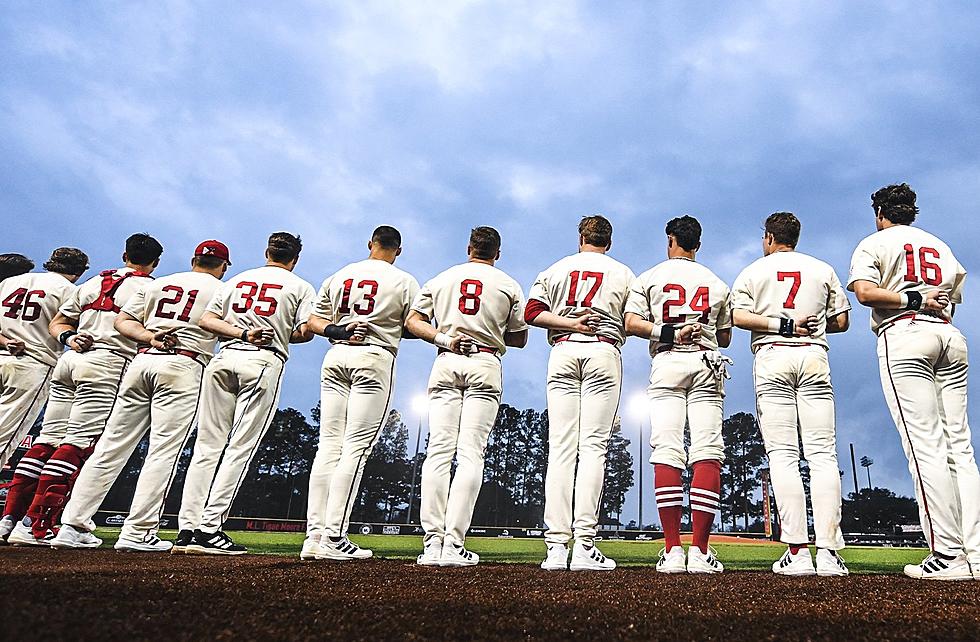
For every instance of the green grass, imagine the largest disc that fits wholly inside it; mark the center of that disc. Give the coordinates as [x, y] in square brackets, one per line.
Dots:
[736, 557]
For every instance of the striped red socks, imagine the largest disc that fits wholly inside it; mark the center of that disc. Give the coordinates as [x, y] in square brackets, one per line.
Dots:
[670, 502]
[705, 489]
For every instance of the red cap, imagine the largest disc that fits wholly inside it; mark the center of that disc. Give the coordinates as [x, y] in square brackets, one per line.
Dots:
[213, 248]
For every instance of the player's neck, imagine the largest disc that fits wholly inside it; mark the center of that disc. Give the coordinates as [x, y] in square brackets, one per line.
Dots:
[288, 268]
[146, 269]
[585, 247]
[388, 256]
[68, 277]
[216, 272]
[781, 248]
[680, 254]
[473, 259]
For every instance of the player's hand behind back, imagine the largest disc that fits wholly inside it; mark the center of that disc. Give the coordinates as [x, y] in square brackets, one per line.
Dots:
[806, 326]
[260, 336]
[15, 347]
[81, 342]
[935, 301]
[462, 344]
[584, 322]
[359, 331]
[689, 334]
[165, 340]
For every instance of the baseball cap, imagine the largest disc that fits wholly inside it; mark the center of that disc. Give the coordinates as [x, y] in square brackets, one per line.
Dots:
[213, 248]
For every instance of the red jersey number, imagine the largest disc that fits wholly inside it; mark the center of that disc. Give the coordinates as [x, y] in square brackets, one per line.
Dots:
[930, 272]
[21, 303]
[177, 293]
[577, 277]
[469, 302]
[256, 298]
[366, 306]
[794, 287]
[700, 302]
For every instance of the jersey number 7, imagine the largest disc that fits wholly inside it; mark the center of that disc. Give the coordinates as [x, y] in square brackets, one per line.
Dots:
[794, 288]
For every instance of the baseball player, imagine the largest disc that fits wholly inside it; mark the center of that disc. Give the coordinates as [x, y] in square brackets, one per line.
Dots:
[684, 311]
[910, 279]
[82, 393]
[257, 314]
[13, 264]
[28, 352]
[159, 393]
[362, 309]
[581, 301]
[473, 312]
[790, 302]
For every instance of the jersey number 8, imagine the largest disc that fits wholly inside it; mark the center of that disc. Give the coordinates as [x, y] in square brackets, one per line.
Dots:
[469, 302]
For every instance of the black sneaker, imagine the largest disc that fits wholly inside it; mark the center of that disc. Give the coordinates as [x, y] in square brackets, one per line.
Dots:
[214, 544]
[184, 539]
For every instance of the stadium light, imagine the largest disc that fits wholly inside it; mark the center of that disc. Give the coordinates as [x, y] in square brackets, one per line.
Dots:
[639, 409]
[639, 405]
[420, 404]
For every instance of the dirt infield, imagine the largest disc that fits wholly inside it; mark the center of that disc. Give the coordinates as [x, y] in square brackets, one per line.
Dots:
[110, 596]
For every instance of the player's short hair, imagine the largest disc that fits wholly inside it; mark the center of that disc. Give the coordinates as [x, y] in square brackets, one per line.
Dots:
[784, 227]
[387, 237]
[67, 260]
[485, 242]
[686, 231]
[143, 249]
[14, 264]
[596, 230]
[284, 247]
[207, 261]
[896, 203]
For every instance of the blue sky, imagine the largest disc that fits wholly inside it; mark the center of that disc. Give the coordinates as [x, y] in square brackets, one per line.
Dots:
[231, 120]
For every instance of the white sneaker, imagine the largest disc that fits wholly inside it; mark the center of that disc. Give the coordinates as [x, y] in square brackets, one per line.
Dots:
[589, 558]
[935, 568]
[672, 561]
[975, 569]
[698, 562]
[6, 525]
[799, 564]
[148, 544]
[557, 559]
[310, 546]
[71, 537]
[431, 554]
[22, 535]
[830, 564]
[342, 549]
[454, 554]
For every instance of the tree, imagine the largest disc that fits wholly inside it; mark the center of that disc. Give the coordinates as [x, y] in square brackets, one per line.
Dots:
[387, 474]
[619, 473]
[745, 455]
[877, 510]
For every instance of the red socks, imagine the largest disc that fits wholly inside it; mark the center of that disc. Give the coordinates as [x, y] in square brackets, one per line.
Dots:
[705, 489]
[670, 502]
[24, 483]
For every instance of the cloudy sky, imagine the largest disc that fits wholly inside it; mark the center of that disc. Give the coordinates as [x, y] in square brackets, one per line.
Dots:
[233, 121]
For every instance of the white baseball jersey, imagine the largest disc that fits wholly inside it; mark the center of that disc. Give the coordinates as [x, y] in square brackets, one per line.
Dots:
[177, 301]
[790, 285]
[474, 299]
[265, 297]
[682, 291]
[86, 306]
[903, 258]
[371, 291]
[586, 281]
[27, 304]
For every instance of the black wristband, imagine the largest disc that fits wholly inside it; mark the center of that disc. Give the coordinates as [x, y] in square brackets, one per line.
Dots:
[787, 327]
[915, 300]
[667, 333]
[244, 336]
[337, 332]
[66, 336]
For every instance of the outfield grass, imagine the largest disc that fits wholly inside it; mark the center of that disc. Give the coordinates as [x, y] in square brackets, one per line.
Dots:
[736, 557]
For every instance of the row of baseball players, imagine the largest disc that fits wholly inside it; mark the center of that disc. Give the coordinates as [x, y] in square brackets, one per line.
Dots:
[140, 358]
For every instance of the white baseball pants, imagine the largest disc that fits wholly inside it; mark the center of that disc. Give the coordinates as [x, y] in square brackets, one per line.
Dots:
[159, 393]
[23, 392]
[464, 396]
[796, 403]
[924, 377]
[356, 384]
[685, 392]
[81, 397]
[239, 395]
[584, 383]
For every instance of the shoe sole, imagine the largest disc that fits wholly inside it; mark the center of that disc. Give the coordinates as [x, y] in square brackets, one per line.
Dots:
[135, 549]
[197, 549]
[344, 558]
[25, 542]
[833, 573]
[795, 573]
[672, 571]
[457, 564]
[958, 578]
[573, 567]
[705, 571]
[178, 550]
[554, 567]
[65, 546]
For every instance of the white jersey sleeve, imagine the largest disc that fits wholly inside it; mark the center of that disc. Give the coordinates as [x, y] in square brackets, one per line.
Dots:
[586, 282]
[790, 285]
[266, 297]
[176, 303]
[904, 259]
[475, 299]
[373, 292]
[28, 303]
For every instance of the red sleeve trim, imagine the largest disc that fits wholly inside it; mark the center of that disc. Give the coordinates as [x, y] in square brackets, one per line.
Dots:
[533, 309]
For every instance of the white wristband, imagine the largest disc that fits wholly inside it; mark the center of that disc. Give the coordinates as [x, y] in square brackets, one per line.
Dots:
[774, 325]
[903, 299]
[443, 340]
[655, 332]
